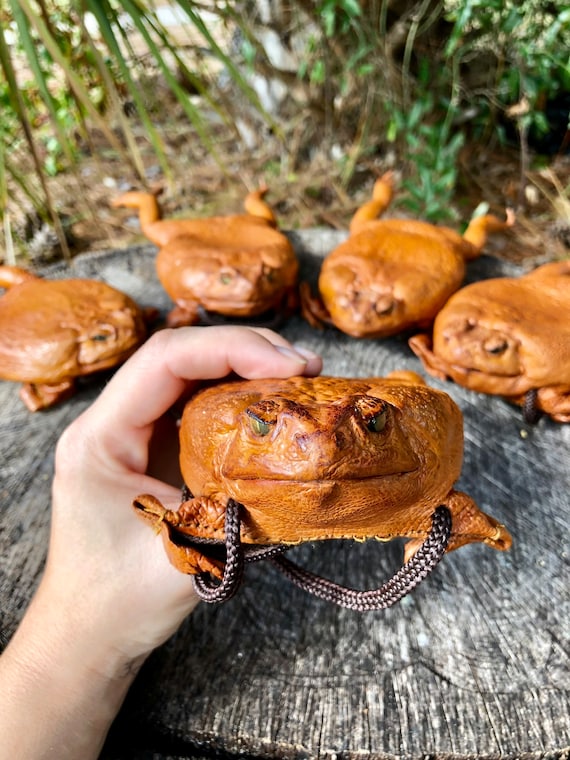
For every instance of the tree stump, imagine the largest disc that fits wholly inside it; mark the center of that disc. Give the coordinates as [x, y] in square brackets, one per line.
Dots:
[474, 663]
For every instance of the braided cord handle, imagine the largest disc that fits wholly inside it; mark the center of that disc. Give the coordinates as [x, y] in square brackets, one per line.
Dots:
[211, 591]
[405, 580]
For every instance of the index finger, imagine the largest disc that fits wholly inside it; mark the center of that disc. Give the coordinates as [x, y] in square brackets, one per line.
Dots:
[155, 377]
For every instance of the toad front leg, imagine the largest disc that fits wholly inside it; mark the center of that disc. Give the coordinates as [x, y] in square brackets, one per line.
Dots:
[184, 315]
[313, 309]
[37, 396]
[197, 518]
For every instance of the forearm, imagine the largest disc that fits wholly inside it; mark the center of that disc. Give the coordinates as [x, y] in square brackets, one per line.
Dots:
[58, 693]
[109, 595]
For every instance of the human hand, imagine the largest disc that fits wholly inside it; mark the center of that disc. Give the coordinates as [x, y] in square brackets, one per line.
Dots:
[109, 594]
[104, 565]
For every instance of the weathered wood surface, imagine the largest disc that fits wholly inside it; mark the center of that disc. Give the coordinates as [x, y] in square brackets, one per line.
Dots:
[473, 663]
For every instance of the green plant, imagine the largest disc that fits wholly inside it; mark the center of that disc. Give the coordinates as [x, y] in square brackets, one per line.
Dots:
[62, 79]
[527, 43]
[412, 79]
[428, 141]
[387, 91]
[431, 152]
[374, 77]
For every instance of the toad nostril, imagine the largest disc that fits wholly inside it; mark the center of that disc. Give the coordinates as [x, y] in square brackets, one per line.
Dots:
[495, 345]
[339, 439]
[322, 441]
[455, 329]
[303, 441]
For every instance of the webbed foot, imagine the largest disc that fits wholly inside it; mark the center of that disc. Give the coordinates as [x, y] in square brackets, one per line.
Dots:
[38, 396]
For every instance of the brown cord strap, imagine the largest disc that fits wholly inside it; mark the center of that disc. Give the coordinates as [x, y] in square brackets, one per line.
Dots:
[207, 589]
[405, 580]
[531, 412]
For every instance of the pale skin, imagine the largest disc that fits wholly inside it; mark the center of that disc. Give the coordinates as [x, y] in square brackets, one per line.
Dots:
[109, 595]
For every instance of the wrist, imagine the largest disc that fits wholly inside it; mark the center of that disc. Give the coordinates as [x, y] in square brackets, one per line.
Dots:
[72, 640]
[61, 689]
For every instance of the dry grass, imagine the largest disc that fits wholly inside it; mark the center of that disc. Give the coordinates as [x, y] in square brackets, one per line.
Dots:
[304, 191]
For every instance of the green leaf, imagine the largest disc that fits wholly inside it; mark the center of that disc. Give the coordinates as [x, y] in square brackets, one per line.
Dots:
[73, 78]
[237, 77]
[24, 120]
[29, 49]
[318, 71]
[103, 15]
[351, 7]
[392, 131]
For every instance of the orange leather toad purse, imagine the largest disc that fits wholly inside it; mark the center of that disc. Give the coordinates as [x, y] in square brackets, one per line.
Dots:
[272, 463]
[54, 331]
[508, 336]
[392, 275]
[236, 266]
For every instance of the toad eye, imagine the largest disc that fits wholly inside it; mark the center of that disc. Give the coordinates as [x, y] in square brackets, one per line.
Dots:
[262, 416]
[260, 427]
[377, 423]
[374, 413]
[102, 333]
[495, 345]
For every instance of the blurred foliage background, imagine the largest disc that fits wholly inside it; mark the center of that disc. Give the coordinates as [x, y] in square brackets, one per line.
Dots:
[203, 99]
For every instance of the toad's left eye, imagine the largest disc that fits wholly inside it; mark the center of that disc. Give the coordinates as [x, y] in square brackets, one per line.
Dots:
[100, 337]
[259, 426]
[374, 413]
[377, 423]
[262, 416]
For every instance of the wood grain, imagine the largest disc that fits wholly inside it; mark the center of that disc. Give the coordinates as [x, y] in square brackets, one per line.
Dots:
[473, 664]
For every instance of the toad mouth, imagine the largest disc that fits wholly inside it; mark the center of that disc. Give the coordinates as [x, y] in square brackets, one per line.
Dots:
[461, 370]
[324, 480]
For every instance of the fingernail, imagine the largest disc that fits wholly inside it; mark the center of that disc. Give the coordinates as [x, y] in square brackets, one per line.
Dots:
[292, 354]
[306, 352]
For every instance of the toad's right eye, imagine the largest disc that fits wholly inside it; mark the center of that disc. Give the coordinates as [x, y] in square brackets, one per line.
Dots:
[259, 426]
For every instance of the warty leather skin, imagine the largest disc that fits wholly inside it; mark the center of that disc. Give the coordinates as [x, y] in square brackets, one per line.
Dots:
[53, 331]
[507, 336]
[320, 458]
